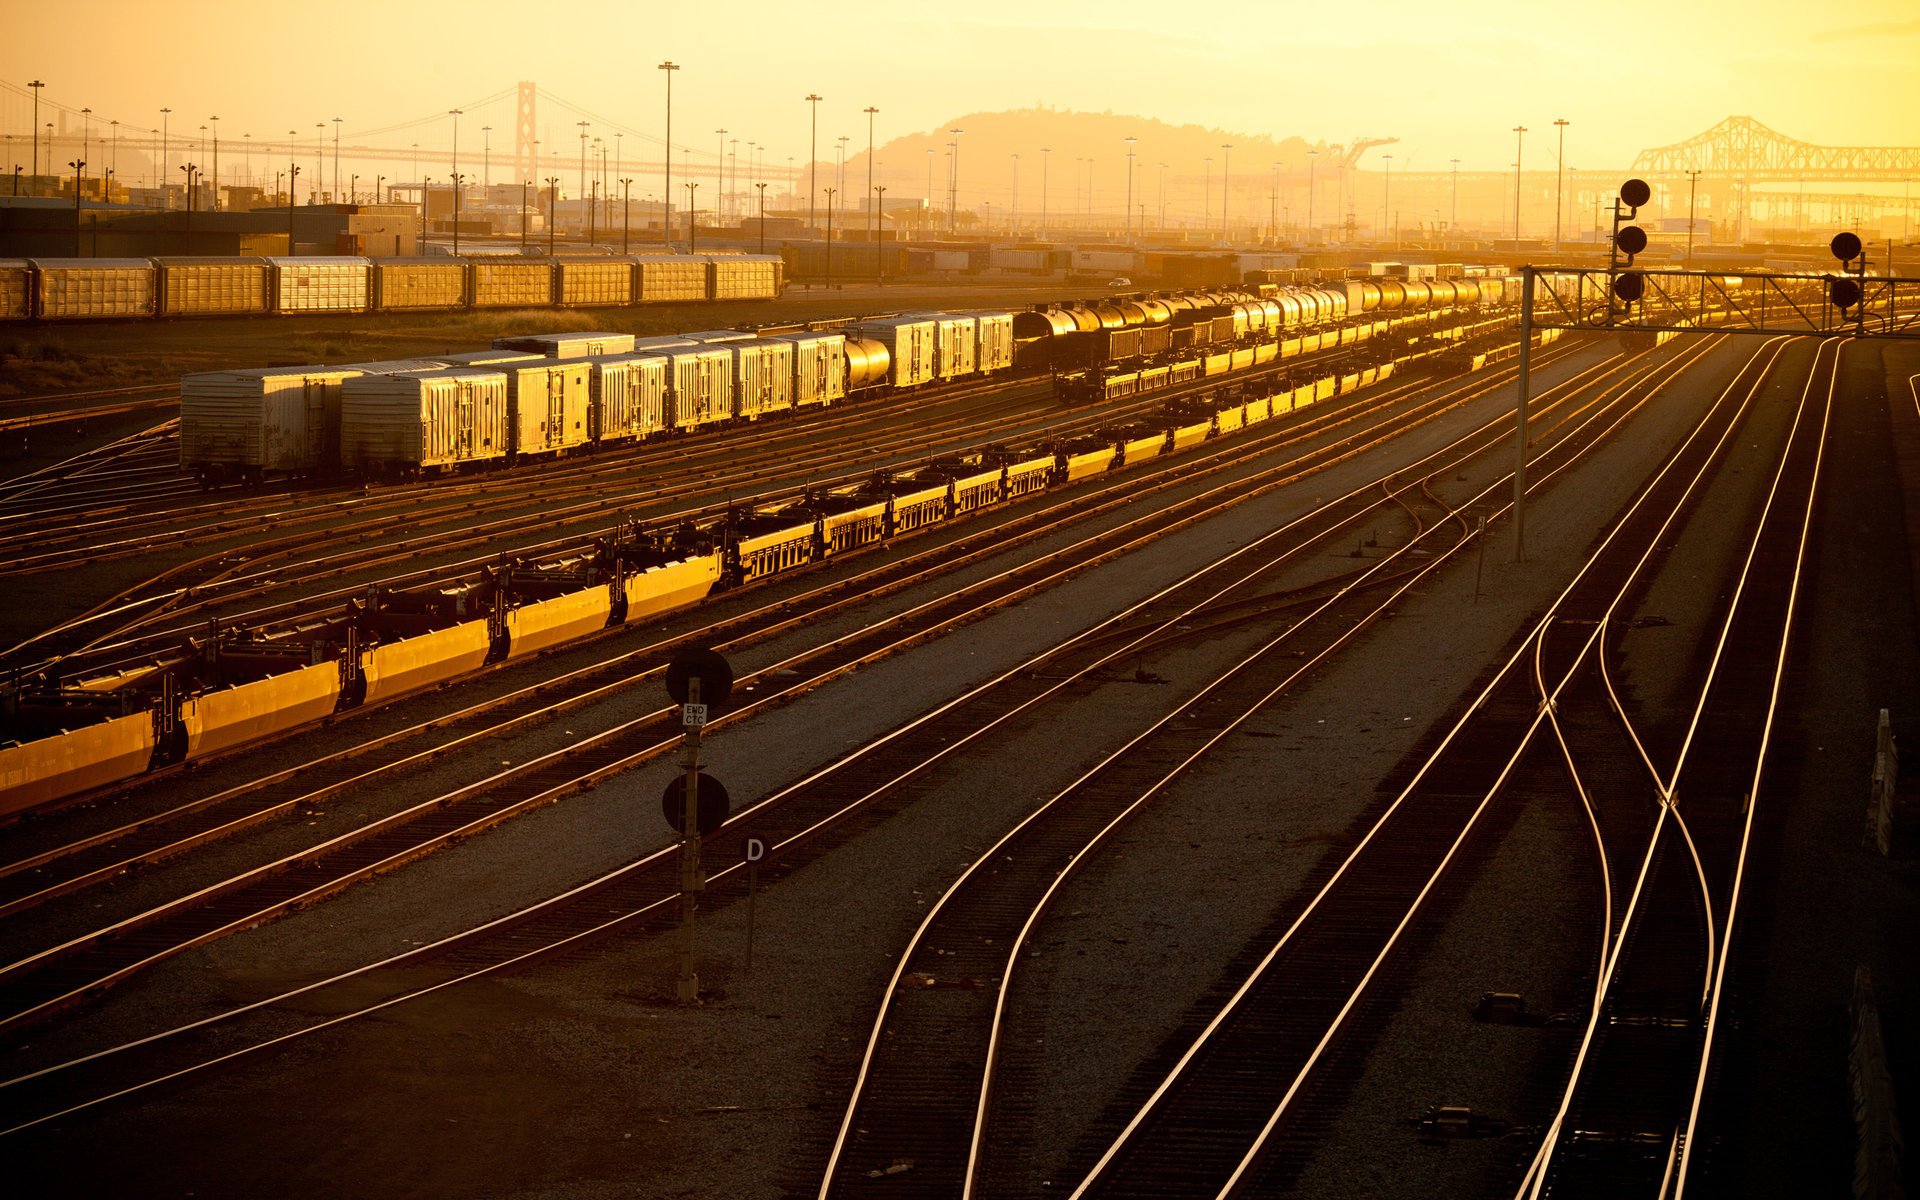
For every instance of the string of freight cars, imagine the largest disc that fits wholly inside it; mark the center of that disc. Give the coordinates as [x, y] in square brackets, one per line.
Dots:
[558, 394]
[72, 289]
[95, 733]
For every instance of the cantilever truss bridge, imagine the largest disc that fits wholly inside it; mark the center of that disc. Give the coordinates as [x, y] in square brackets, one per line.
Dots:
[1742, 148]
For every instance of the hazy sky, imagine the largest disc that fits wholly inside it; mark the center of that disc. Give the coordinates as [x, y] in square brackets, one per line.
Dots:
[1450, 78]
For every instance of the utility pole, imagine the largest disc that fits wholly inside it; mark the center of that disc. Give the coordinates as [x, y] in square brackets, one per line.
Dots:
[953, 185]
[666, 192]
[1693, 188]
[873, 216]
[166, 201]
[1560, 179]
[36, 85]
[813, 159]
[553, 209]
[692, 217]
[762, 186]
[1520, 145]
[336, 157]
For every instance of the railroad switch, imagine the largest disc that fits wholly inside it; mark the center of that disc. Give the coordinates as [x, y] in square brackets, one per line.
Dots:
[1453, 1121]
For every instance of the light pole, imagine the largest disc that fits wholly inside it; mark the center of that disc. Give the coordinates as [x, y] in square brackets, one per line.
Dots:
[1313, 161]
[873, 217]
[36, 85]
[813, 158]
[761, 185]
[336, 156]
[692, 217]
[830, 193]
[953, 185]
[113, 155]
[86, 132]
[1454, 225]
[553, 209]
[486, 156]
[353, 188]
[666, 157]
[626, 209]
[293, 184]
[1046, 155]
[79, 166]
[1693, 189]
[319, 154]
[215, 121]
[1226, 182]
[583, 161]
[1560, 178]
[166, 201]
[720, 176]
[1386, 196]
[1520, 145]
[840, 164]
[457, 179]
[879, 263]
[1126, 215]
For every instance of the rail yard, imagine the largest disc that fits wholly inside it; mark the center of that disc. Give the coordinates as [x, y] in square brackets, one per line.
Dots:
[853, 617]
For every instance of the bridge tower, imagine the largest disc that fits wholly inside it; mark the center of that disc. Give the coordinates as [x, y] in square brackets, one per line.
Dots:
[523, 135]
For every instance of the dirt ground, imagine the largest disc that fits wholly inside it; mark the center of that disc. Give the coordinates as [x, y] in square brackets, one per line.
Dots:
[40, 359]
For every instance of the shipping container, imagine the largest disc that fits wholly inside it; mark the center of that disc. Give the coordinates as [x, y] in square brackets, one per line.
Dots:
[594, 281]
[423, 420]
[316, 285]
[211, 286]
[73, 289]
[547, 401]
[628, 395]
[909, 343]
[745, 277]
[700, 385]
[16, 289]
[510, 281]
[672, 277]
[418, 284]
[568, 345]
[819, 366]
[247, 424]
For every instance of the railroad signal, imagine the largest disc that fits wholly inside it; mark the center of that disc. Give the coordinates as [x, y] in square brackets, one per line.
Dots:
[1627, 286]
[1845, 293]
[1845, 246]
[1631, 240]
[711, 804]
[710, 668]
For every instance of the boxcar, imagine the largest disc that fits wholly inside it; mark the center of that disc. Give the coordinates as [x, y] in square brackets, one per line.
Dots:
[212, 286]
[547, 403]
[709, 337]
[16, 289]
[956, 343]
[423, 420]
[699, 385]
[319, 285]
[762, 376]
[568, 345]
[909, 343]
[745, 277]
[819, 366]
[418, 284]
[593, 281]
[73, 289]
[246, 424]
[510, 281]
[994, 346]
[627, 396]
[671, 277]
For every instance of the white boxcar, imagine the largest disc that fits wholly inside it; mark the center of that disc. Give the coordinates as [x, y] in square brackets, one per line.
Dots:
[628, 394]
[699, 385]
[486, 358]
[315, 284]
[423, 420]
[909, 342]
[672, 277]
[547, 400]
[709, 337]
[394, 366]
[16, 289]
[208, 286]
[746, 277]
[78, 288]
[568, 345]
[995, 351]
[402, 284]
[245, 424]
[956, 339]
[664, 341]
[819, 366]
[510, 281]
[593, 281]
[762, 376]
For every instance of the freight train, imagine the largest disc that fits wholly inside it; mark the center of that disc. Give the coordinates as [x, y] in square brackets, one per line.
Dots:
[556, 394]
[64, 735]
[69, 289]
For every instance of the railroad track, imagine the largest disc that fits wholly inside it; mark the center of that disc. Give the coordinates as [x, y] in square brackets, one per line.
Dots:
[928, 1087]
[592, 899]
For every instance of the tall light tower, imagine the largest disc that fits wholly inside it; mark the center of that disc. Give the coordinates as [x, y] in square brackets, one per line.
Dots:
[666, 191]
[720, 174]
[1313, 160]
[953, 184]
[1560, 179]
[1127, 216]
[813, 157]
[336, 157]
[873, 215]
[215, 121]
[1520, 145]
[36, 85]
[486, 156]
[166, 200]
[1693, 191]
[1226, 180]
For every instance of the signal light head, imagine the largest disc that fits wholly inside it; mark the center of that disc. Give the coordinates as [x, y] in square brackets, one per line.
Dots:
[1845, 293]
[1845, 246]
[1631, 239]
[1629, 285]
[1635, 192]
